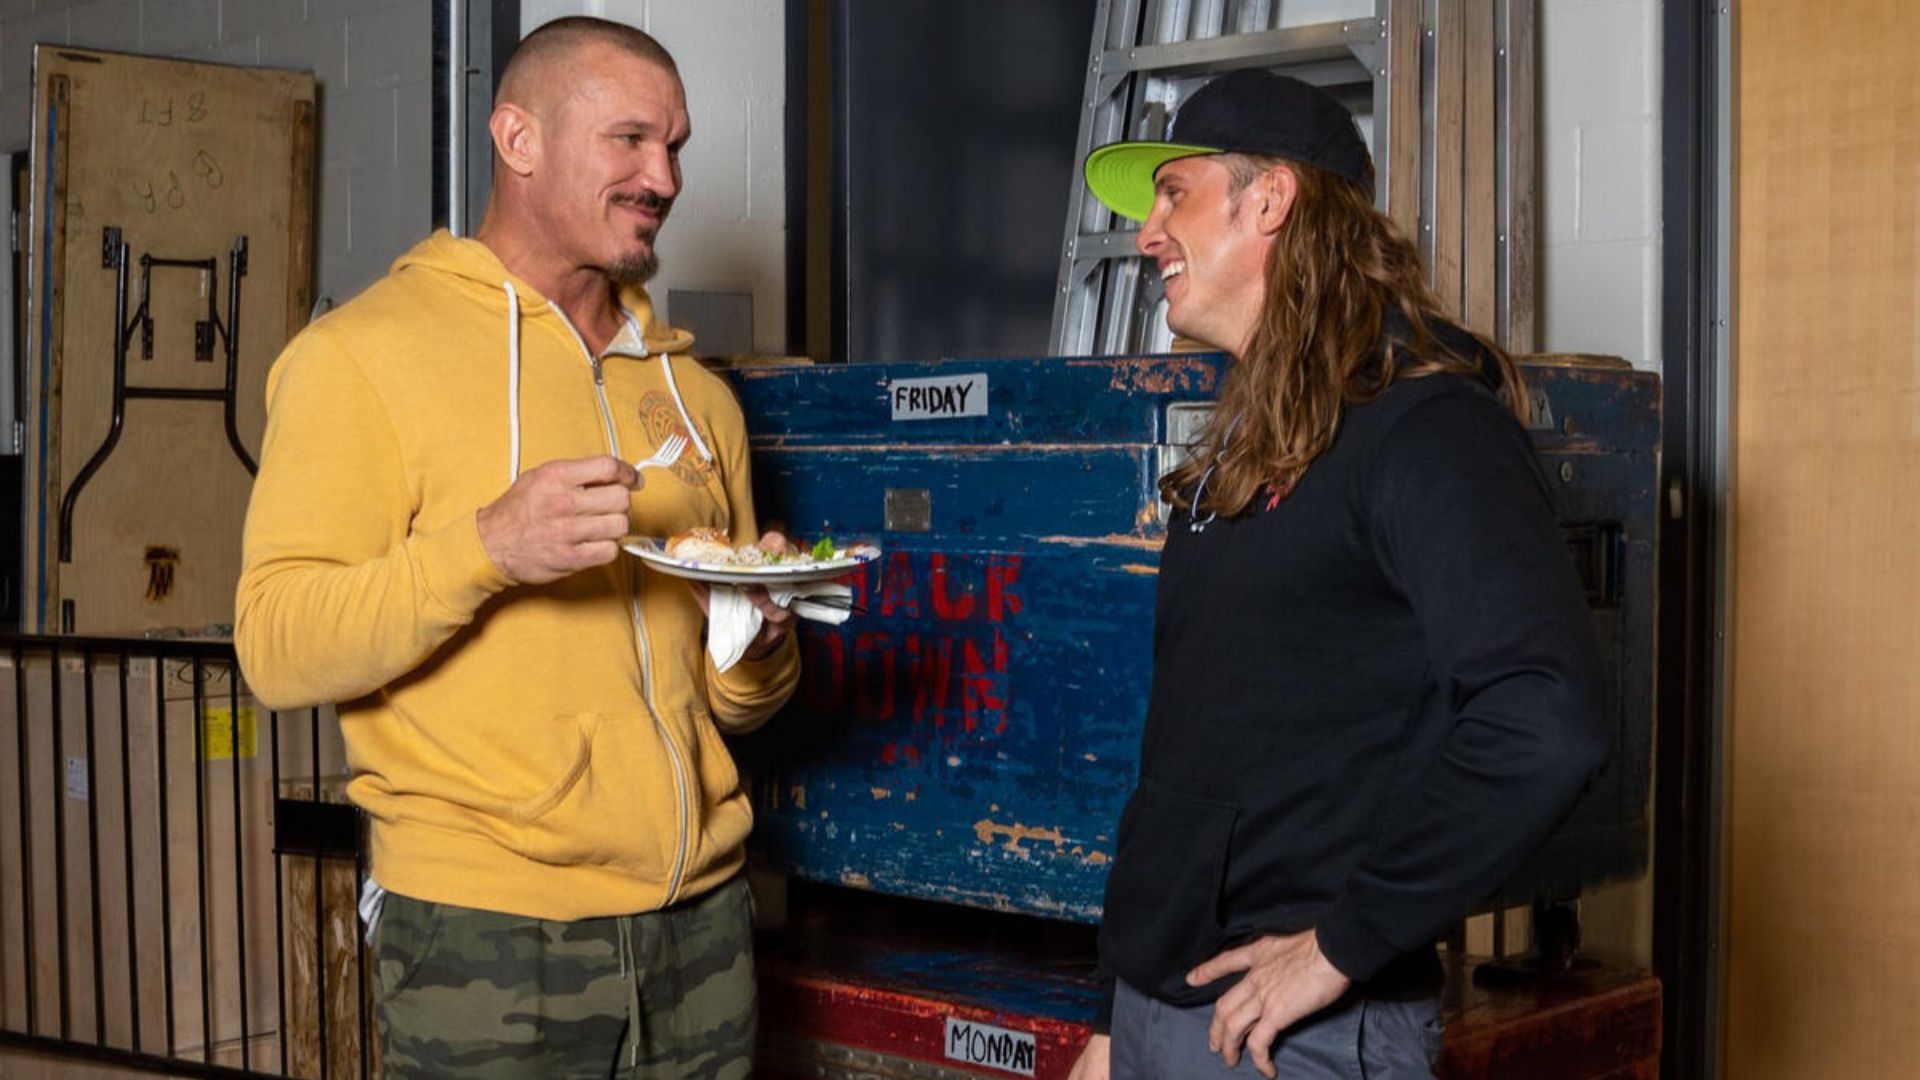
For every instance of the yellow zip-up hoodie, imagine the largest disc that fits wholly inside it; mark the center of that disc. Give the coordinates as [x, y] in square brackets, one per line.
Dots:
[551, 751]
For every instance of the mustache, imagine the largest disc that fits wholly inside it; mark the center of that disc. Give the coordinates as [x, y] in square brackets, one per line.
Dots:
[645, 200]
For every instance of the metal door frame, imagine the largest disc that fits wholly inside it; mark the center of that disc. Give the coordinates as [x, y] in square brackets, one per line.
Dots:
[472, 40]
[1697, 130]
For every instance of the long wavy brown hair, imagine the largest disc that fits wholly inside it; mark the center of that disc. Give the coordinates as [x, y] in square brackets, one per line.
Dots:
[1336, 269]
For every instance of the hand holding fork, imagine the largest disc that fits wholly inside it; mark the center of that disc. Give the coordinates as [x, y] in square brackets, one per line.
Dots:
[565, 516]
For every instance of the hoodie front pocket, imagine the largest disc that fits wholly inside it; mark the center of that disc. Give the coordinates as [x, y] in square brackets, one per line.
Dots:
[617, 803]
[714, 764]
[1163, 894]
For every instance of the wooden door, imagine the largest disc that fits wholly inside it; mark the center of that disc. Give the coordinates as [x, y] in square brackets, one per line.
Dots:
[179, 160]
[1823, 772]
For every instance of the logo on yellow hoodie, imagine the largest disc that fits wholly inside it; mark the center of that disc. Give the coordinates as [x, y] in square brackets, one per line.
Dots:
[659, 417]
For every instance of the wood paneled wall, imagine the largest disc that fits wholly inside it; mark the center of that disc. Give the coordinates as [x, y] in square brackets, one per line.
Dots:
[1823, 772]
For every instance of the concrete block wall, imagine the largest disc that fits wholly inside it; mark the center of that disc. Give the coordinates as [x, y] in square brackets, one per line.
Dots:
[372, 60]
[1600, 178]
[728, 231]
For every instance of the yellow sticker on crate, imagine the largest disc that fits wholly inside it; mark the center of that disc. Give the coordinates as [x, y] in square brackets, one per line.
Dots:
[217, 738]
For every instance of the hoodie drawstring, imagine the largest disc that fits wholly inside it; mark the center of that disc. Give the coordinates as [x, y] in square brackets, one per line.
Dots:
[666, 365]
[513, 382]
[1195, 522]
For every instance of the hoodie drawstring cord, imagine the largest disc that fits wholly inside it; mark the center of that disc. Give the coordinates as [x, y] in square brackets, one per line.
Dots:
[666, 365]
[513, 382]
[1195, 522]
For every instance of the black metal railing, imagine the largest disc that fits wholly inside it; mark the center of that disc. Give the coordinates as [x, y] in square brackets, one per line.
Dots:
[178, 890]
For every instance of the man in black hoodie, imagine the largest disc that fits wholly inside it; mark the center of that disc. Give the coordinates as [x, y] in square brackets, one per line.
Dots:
[1376, 687]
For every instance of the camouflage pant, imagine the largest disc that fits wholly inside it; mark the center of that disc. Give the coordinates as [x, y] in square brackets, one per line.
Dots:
[465, 993]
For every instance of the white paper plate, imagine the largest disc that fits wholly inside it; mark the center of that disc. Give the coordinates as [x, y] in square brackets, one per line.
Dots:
[652, 552]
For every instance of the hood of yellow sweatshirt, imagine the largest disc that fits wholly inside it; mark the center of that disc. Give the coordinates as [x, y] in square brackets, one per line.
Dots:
[476, 266]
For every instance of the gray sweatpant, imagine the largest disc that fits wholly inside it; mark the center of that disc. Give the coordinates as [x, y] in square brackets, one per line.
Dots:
[1357, 1038]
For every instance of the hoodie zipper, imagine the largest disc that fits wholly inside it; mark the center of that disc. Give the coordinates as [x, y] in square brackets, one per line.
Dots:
[640, 634]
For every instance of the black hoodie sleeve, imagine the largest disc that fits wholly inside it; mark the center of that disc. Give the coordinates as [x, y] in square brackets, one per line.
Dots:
[1461, 520]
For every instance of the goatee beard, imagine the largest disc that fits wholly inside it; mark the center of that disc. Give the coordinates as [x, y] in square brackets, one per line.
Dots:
[639, 267]
[635, 269]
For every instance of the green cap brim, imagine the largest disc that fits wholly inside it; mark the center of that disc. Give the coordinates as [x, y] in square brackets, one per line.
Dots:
[1121, 174]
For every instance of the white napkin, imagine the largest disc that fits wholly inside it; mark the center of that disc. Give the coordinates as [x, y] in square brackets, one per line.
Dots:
[733, 621]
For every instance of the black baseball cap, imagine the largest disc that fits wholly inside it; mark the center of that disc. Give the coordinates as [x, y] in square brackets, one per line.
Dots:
[1250, 111]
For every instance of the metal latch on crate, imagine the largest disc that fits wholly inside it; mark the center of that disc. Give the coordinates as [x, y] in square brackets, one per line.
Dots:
[1185, 421]
[908, 510]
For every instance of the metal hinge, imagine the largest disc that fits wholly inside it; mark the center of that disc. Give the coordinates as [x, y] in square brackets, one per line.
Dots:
[18, 440]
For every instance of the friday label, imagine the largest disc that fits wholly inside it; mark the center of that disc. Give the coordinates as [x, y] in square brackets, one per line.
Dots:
[939, 398]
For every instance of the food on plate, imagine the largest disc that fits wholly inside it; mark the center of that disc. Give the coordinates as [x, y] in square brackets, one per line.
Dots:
[704, 544]
[701, 544]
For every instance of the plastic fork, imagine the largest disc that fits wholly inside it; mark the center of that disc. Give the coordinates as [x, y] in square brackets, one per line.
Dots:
[665, 454]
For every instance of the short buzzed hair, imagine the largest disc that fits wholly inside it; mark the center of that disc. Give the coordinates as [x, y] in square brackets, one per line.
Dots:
[553, 40]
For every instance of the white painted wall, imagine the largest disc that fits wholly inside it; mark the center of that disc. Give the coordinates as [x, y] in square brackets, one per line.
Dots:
[728, 231]
[372, 59]
[1600, 178]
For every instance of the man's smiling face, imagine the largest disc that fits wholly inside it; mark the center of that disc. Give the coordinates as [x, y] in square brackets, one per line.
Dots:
[1209, 250]
[612, 154]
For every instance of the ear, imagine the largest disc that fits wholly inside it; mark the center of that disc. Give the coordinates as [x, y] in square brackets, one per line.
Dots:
[1278, 187]
[515, 137]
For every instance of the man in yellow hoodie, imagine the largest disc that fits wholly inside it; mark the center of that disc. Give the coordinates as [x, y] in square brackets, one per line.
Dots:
[531, 720]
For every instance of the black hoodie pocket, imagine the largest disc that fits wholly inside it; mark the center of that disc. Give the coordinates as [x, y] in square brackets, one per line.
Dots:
[1163, 894]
